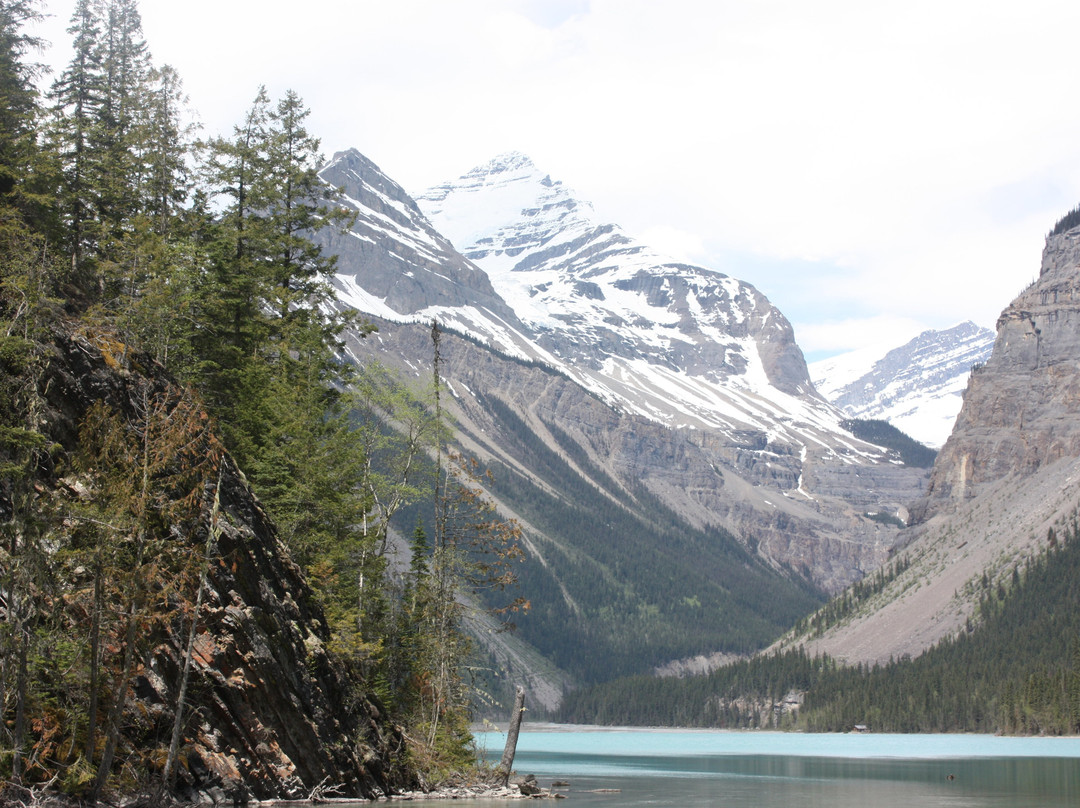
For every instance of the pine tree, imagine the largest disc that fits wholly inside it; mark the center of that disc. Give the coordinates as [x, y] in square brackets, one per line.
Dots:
[18, 96]
[121, 122]
[418, 562]
[264, 331]
[76, 98]
[303, 206]
[25, 280]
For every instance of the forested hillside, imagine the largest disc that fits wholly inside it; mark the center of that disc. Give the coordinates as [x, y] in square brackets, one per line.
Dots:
[1016, 669]
[163, 331]
[882, 433]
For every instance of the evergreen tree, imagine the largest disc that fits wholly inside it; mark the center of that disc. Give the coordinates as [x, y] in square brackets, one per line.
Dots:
[18, 97]
[116, 138]
[25, 281]
[418, 561]
[301, 207]
[260, 303]
[77, 96]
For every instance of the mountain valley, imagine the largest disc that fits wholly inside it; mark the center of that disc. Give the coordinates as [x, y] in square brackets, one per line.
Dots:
[971, 626]
[1007, 478]
[625, 404]
[304, 475]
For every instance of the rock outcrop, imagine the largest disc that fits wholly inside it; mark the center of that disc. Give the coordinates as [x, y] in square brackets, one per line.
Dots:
[1006, 477]
[1022, 408]
[271, 714]
[276, 714]
[421, 268]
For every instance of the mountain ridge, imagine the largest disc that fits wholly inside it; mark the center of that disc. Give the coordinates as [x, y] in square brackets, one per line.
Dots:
[1007, 478]
[594, 426]
[593, 295]
[917, 386]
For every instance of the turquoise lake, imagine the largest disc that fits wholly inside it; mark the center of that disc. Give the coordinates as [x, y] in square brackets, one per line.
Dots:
[688, 768]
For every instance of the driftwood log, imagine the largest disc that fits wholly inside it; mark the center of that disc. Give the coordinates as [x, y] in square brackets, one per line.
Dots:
[507, 762]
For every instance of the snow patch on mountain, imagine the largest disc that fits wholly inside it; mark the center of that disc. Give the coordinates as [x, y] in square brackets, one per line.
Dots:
[918, 387]
[676, 343]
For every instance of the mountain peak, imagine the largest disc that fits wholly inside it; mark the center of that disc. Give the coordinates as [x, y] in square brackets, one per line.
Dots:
[506, 162]
[488, 205]
[917, 387]
[353, 160]
[625, 319]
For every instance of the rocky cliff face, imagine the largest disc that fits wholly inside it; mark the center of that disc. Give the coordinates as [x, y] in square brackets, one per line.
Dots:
[275, 711]
[1008, 474]
[392, 263]
[271, 714]
[799, 509]
[1022, 408]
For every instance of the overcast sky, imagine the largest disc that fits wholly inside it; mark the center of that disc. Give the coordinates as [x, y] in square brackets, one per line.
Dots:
[875, 168]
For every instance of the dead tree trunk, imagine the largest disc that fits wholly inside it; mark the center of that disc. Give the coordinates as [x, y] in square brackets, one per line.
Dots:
[507, 762]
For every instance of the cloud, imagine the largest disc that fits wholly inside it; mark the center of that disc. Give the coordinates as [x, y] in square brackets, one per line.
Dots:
[679, 245]
[878, 333]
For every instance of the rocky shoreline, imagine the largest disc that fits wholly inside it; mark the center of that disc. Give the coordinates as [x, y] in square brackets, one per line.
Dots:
[524, 788]
[521, 790]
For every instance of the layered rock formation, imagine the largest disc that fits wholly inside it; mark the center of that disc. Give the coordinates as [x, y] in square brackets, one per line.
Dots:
[799, 510]
[276, 715]
[1022, 408]
[270, 714]
[1008, 474]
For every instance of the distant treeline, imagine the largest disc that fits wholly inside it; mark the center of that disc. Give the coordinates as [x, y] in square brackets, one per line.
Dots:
[1066, 222]
[882, 433]
[1015, 669]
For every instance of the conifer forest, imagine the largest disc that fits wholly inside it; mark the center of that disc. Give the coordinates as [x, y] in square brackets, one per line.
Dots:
[186, 260]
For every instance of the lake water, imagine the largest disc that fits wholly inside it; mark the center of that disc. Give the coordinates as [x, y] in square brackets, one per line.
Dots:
[730, 769]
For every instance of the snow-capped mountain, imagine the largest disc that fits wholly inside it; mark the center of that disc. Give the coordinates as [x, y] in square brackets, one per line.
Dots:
[393, 264]
[707, 397]
[645, 419]
[917, 387]
[673, 342]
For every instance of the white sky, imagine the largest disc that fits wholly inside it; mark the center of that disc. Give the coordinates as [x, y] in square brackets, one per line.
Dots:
[874, 168]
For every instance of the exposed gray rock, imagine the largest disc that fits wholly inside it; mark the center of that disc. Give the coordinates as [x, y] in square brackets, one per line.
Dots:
[803, 512]
[1022, 408]
[393, 252]
[1008, 474]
